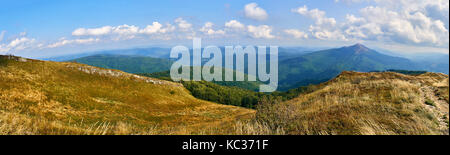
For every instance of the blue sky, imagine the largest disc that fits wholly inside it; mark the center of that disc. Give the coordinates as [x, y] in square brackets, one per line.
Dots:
[39, 28]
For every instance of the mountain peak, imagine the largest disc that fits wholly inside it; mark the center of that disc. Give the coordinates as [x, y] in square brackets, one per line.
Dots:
[359, 45]
[359, 48]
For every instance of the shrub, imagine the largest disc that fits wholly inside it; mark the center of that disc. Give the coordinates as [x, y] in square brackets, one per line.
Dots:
[172, 92]
[430, 102]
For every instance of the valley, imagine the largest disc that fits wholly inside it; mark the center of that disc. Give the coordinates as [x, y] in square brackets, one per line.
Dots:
[344, 91]
[297, 67]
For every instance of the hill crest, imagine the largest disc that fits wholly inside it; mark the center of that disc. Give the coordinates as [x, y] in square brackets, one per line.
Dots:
[45, 97]
[353, 103]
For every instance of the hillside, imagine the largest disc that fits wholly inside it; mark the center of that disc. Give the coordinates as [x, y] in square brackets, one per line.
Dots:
[297, 67]
[43, 97]
[151, 67]
[320, 66]
[365, 103]
[249, 85]
[154, 52]
[130, 64]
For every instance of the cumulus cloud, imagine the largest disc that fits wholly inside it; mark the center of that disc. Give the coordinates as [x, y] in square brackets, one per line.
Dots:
[183, 24]
[208, 29]
[126, 29]
[157, 28]
[317, 15]
[17, 44]
[262, 31]
[234, 24]
[253, 11]
[417, 22]
[354, 20]
[296, 33]
[324, 27]
[64, 42]
[399, 26]
[93, 32]
[125, 32]
[131, 30]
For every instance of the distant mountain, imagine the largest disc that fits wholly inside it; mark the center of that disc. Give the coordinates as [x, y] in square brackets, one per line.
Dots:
[439, 63]
[130, 64]
[150, 52]
[165, 53]
[320, 66]
[297, 66]
[429, 61]
[152, 67]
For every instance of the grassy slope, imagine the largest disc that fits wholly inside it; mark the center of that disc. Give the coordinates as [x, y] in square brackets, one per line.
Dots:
[41, 97]
[368, 103]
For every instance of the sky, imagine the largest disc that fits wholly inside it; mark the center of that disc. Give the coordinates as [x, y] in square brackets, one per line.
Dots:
[43, 28]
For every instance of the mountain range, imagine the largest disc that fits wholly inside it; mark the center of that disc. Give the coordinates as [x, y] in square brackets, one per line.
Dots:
[297, 66]
[320, 66]
[46, 97]
[128, 63]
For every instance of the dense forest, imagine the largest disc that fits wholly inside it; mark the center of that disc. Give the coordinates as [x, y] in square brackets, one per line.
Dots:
[406, 72]
[233, 95]
[238, 96]
[249, 85]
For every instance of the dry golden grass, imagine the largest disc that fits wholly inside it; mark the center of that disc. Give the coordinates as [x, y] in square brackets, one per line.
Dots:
[365, 104]
[42, 97]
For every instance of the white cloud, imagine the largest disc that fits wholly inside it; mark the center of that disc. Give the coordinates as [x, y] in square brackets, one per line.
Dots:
[125, 32]
[413, 22]
[325, 28]
[126, 29]
[183, 24]
[93, 32]
[252, 11]
[354, 20]
[207, 29]
[234, 24]
[157, 28]
[296, 33]
[434, 9]
[262, 31]
[17, 44]
[400, 26]
[151, 29]
[317, 15]
[64, 42]
[322, 33]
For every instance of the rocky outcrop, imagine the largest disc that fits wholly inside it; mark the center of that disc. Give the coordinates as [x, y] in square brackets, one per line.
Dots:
[118, 74]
